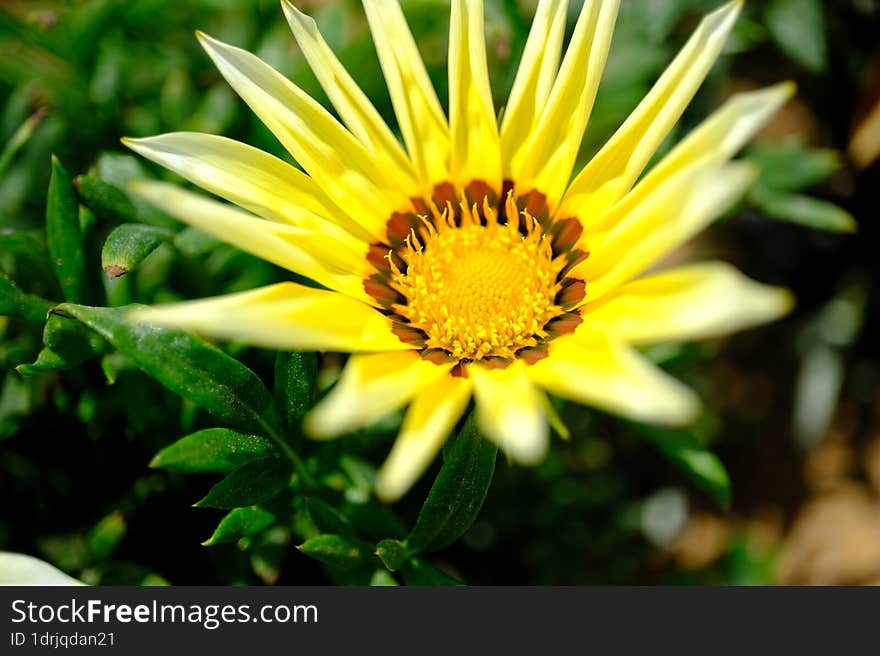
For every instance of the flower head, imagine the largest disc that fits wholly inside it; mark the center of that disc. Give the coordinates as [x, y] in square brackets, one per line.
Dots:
[466, 262]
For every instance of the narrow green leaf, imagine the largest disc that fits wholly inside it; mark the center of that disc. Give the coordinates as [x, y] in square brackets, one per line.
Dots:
[64, 236]
[804, 210]
[128, 244]
[392, 553]
[295, 384]
[458, 492]
[686, 451]
[103, 539]
[790, 166]
[252, 483]
[420, 572]
[106, 200]
[20, 138]
[186, 365]
[20, 305]
[212, 450]
[798, 28]
[333, 550]
[240, 523]
[68, 344]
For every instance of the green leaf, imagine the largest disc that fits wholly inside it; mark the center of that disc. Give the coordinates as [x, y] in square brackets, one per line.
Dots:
[21, 305]
[686, 451]
[213, 450]
[186, 365]
[804, 210]
[193, 242]
[114, 364]
[64, 236]
[68, 344]
[382, 578]
[295, 384]
[240, 523]
[392, 553]
[103, 539]
[334, 550]
[106, 200]
[420, 572]
[20, 138]
[250, 484]
[797, 26]
[128, 244]
[789, 165]
[458, 492]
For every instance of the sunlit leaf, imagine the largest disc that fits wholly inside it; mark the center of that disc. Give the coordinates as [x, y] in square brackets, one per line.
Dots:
[63, 235]
[295, 384]
[334, 550]
[240, 523]
[212, 450]
[128, 244]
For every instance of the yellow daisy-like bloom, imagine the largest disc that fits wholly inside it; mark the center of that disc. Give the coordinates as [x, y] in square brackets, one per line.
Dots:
[467, 262]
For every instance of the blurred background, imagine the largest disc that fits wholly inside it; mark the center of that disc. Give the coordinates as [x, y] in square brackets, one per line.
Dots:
[792, 409]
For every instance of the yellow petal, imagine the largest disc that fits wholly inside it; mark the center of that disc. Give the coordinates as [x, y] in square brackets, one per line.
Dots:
[546, 160]
[476, 150]
[620, 162]
[427, 424]
[250, 178]
[371, 387]
[282, 316]
[341, 166]
[677, 210]
[355, 109]
[691, 302]
[318, 256]
[421, 119]
[604, 373]
[534, 79]
[714, 141]
[510, 411]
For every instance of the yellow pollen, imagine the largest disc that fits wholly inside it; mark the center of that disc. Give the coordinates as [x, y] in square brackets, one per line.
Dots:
[478, 290]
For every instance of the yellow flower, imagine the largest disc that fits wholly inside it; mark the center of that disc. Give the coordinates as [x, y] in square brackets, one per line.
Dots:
[467, 262]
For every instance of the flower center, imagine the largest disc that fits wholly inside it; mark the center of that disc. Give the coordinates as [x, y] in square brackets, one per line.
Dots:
[480, 290]
[474, 277]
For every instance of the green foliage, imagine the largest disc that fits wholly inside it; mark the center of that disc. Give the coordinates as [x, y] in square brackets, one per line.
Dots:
[186, 365]
[253, 482]
[686, 451]
[334, 550]
[457, 494]
[128, 244]
[64, 236]
[788, 167]
[798, 29]
[212, 450]
[241, 523]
